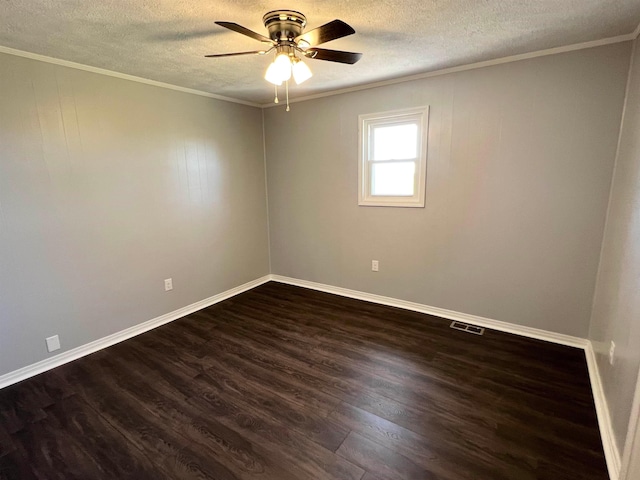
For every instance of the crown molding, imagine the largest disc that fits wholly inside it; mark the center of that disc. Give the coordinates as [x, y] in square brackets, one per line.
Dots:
[123, 76]
[461, 68]
[470, 66]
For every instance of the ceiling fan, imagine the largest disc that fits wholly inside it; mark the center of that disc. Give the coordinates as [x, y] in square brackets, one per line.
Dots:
[285, 29]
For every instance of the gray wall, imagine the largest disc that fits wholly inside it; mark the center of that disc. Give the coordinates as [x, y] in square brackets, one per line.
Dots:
[616, 307]
[106, 188]
[519, 167]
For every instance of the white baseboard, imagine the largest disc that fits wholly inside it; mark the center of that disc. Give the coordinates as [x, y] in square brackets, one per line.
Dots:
[611, 451]
[78, 352]
[440, 312]
[606, 431]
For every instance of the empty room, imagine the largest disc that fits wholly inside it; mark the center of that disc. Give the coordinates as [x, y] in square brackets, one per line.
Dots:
[320, 240]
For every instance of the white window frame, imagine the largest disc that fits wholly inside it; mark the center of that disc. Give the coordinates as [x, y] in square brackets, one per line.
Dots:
[417, 115]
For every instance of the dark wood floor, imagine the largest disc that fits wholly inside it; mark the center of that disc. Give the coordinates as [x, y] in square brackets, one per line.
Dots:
[283, 383]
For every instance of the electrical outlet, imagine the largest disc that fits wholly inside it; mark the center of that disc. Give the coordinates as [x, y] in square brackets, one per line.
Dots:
[168, 284]
[612, 351]
[53, 343]
[374, 265]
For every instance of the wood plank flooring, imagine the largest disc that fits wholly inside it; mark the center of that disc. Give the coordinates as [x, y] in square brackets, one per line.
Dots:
[284, 383]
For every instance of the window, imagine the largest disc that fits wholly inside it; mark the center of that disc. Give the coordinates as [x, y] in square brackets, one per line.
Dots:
[393, 158]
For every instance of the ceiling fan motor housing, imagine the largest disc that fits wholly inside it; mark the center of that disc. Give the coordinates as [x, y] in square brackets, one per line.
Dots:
[284, 25]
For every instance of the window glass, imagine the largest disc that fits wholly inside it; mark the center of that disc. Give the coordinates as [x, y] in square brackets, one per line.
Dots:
[395, 142]
[393, 178]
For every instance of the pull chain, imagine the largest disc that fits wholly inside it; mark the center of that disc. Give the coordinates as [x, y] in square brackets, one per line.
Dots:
[276, 100]
[287, 90]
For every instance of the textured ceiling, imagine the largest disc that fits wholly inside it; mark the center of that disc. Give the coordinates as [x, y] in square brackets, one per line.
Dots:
[165, 40]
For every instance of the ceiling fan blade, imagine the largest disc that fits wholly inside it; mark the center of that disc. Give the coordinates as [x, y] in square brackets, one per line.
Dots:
[325, 33]
[332, 55]
[255, 52]
[244, 31]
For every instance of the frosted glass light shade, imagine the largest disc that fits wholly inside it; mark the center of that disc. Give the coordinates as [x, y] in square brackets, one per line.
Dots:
[280, 70]
[273, 75]
[301, 71]
[283, 65]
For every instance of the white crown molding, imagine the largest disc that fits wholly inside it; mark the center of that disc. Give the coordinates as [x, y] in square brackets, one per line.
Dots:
[123, 76]
[79, 352]
[470, 66]
[393, 81]
[529, 332]
[611, 451]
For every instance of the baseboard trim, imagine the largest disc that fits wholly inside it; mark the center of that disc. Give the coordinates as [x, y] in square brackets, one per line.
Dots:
[86, 349]
[611, 451]
[440, 312]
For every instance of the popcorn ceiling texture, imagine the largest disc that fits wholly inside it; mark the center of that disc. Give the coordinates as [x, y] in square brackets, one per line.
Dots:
[165, 40]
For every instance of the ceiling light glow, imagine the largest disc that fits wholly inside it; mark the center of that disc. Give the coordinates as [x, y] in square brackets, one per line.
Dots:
[280, 70]
[301, 72]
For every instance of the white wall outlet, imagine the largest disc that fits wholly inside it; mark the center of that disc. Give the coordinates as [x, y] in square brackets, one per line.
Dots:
[374, 265]
[612, 351]
[53, 343]
[168, 284]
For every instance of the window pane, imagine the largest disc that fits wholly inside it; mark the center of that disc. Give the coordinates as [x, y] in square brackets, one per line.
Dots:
[393, 179]
[395, 142]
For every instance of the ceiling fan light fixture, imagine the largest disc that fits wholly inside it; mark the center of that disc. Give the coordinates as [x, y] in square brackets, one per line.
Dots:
[283, 65]
[280, 70]
[288, 38]
[301, 71]
[272, 74]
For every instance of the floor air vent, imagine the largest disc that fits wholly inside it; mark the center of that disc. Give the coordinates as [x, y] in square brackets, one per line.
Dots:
[465, 327]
